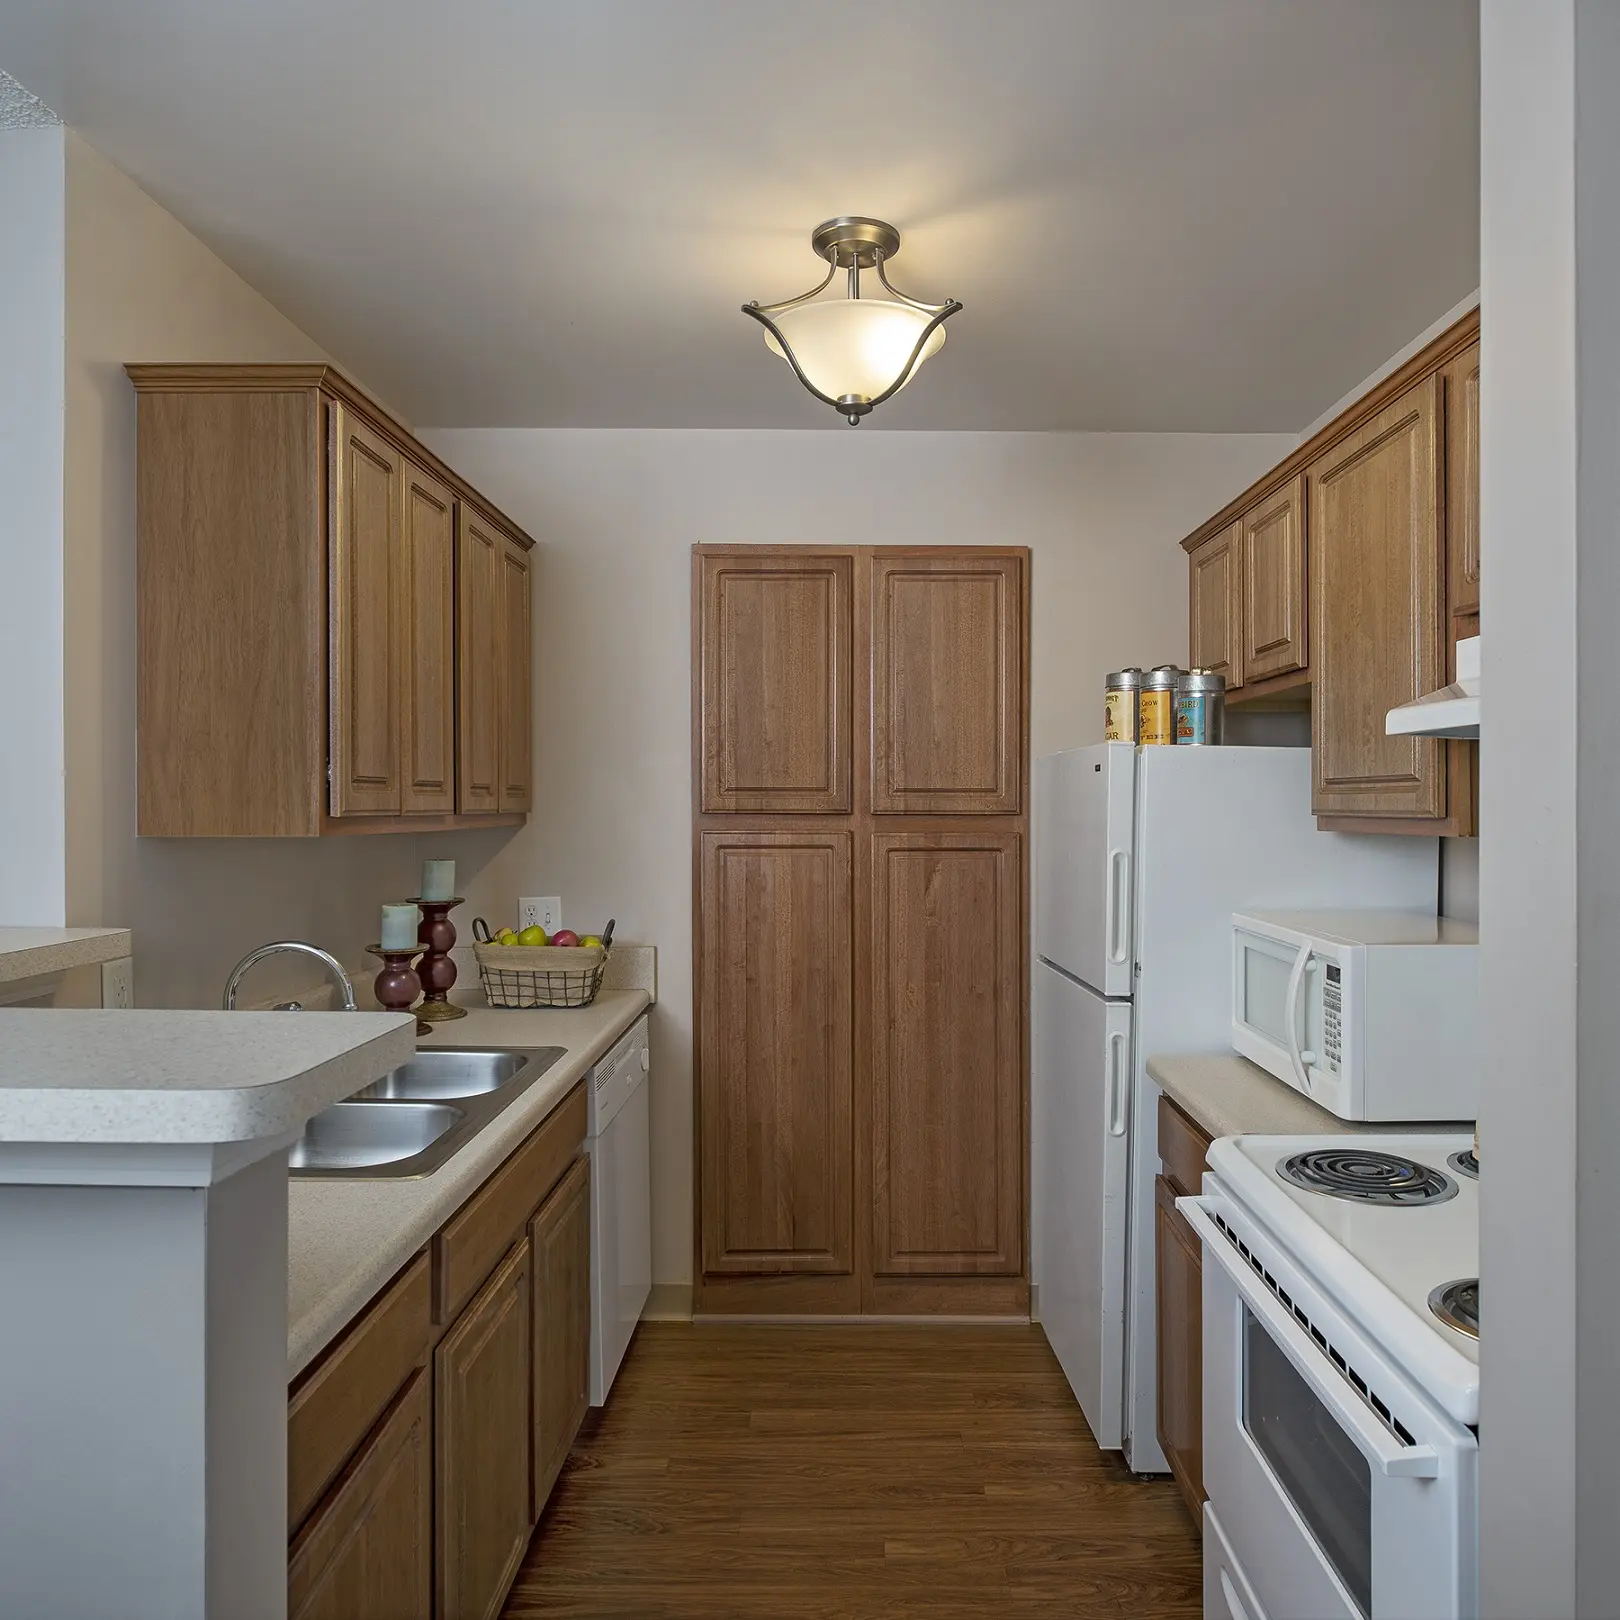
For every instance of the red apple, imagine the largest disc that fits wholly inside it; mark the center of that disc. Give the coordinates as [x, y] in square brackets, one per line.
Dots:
[565, 936]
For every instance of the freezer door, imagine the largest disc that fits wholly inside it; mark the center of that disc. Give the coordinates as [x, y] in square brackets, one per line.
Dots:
[1082, 1074]
[1085, 814]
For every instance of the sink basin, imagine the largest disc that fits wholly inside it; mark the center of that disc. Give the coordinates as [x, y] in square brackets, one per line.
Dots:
[358, 1135]
[439, 1075]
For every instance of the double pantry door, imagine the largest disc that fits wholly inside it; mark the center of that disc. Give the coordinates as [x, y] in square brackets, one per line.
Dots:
[860, 811]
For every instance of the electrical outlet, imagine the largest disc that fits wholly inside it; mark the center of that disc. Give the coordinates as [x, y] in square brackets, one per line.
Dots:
[118, 983]
[544, 910]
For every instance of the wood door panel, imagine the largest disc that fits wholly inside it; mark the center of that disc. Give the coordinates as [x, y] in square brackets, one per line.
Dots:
[368, 1553]
[1462, 485]
[560, 1242]
[428, 645]
[482, 1377]
[1215, 599]
[1376, 558]
[515, 680]
[947, 704]
[947, 1160]
[1273, 571]
[1179, 1263]
[774, 682]
[775, 1082]
[367, 579]
[479, 546]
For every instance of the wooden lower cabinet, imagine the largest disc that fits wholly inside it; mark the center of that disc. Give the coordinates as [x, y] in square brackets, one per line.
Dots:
[367, 1555]
[1180, 1266]
[481, 1377]
[560, 1246]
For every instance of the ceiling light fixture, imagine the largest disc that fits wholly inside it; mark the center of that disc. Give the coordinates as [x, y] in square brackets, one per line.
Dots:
[852, 352]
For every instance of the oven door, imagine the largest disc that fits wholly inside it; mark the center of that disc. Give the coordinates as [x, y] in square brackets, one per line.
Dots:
[1331, 1510]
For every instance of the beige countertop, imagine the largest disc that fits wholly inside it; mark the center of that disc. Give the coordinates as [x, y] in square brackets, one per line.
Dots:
[26, 953]
[347, 1238]
[1230, 1096]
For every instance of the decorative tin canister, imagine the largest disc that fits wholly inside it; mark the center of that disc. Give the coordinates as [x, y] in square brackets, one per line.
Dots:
[1124, 720]
[1200, 708]
[1158, 706]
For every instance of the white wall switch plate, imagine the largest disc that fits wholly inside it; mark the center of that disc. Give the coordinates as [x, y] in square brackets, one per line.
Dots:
[118, 983]
[546, 910]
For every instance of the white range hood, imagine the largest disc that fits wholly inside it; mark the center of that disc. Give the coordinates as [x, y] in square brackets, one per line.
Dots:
[1453, 711]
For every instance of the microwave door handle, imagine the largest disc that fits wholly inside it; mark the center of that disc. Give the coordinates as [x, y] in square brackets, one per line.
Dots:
[1386, 1454]
[1291, 1017]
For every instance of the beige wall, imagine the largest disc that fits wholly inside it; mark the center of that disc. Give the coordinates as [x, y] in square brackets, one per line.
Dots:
[615, 514]
[141, 287]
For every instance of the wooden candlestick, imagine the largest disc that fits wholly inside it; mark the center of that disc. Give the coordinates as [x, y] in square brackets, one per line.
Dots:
[397, 985]
[437, 937]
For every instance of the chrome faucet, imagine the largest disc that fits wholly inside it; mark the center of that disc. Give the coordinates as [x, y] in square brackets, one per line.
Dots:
[333, 966]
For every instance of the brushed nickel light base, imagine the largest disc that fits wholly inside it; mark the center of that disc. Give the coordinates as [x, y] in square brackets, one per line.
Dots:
[852, 240]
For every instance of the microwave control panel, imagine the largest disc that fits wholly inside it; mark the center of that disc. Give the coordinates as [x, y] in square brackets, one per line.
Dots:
[1332, 1006]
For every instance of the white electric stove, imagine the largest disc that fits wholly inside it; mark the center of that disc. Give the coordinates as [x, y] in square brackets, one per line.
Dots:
[1341, 1376]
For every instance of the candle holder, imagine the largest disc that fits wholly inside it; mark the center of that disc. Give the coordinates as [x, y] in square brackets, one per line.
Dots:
[437, 937]
[397, 985]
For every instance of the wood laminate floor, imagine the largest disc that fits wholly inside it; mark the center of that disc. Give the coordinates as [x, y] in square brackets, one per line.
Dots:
[852, 1471]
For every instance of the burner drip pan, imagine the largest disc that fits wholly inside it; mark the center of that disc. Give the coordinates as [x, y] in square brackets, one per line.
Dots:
[1457, 1305]
[1465, 1163]
[1368, 1177]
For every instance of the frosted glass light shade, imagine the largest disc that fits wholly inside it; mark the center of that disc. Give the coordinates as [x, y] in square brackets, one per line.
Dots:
[855, 345]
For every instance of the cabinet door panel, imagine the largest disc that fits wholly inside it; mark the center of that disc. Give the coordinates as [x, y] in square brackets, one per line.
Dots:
[947, 1082]
[482, 1375]
[368, 1553]
[775, 1077]
[1273, 572]
[478, 768]
[1376, 558]
[774, 682]
[1462, 485]
[1216, 600]
[560, 1241]
[367, 582]
[428, 645]
[517, 654]
[1179, 1261]
[947, 732]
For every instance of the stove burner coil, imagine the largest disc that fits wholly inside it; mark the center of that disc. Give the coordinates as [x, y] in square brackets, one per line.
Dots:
[1465, 1163]
[1367, 1177]
[1457, 1305]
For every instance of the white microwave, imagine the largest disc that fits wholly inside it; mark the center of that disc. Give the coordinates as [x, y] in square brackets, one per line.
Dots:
[1372, 1014]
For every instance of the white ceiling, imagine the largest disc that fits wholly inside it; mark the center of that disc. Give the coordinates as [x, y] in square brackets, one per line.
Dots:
[1210, 215]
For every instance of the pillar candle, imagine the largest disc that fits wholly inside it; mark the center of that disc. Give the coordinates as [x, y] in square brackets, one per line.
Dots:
[438, 880]
[399, 924]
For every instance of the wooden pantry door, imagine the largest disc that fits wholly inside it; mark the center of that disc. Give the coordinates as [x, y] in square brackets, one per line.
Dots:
[860, 764]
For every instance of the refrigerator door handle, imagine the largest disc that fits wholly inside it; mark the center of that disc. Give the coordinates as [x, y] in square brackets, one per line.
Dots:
[1117, 1066]
[1118, 918]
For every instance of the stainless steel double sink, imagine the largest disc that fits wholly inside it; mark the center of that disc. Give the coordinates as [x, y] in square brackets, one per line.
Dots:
[413, 1119]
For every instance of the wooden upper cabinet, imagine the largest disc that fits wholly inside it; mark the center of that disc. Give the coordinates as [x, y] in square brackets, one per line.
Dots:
[776, 1082]
[948, 684]
[480, 548]
[481, 1479]
[773, 675]
[1275, 607]
[1461, 382]
[513, 688]
[428, 645]
[367, 583]
[560, 1243]
[1377, 597]
[947, 1058]
[1215, 605]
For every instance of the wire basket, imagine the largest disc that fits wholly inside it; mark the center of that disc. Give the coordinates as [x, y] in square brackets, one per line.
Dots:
[540, 975]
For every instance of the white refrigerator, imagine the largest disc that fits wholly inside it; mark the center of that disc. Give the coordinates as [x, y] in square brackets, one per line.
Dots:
[1141, 857]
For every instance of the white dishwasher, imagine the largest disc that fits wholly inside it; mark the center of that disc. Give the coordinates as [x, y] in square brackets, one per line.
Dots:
[620, 1146]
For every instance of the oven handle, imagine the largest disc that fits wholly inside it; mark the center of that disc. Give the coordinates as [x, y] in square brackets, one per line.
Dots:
[1380, 1448]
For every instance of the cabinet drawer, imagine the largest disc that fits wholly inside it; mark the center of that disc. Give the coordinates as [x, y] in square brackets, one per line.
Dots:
[334, 1408]
[471, 1243]
[1182, 1146]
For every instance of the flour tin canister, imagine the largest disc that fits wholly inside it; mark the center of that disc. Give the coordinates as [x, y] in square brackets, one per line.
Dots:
[1158, 706]
[1124, 719]
[1200, 709]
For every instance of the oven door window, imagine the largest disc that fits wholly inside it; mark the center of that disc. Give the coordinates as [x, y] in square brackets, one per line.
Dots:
[1319, 1466]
